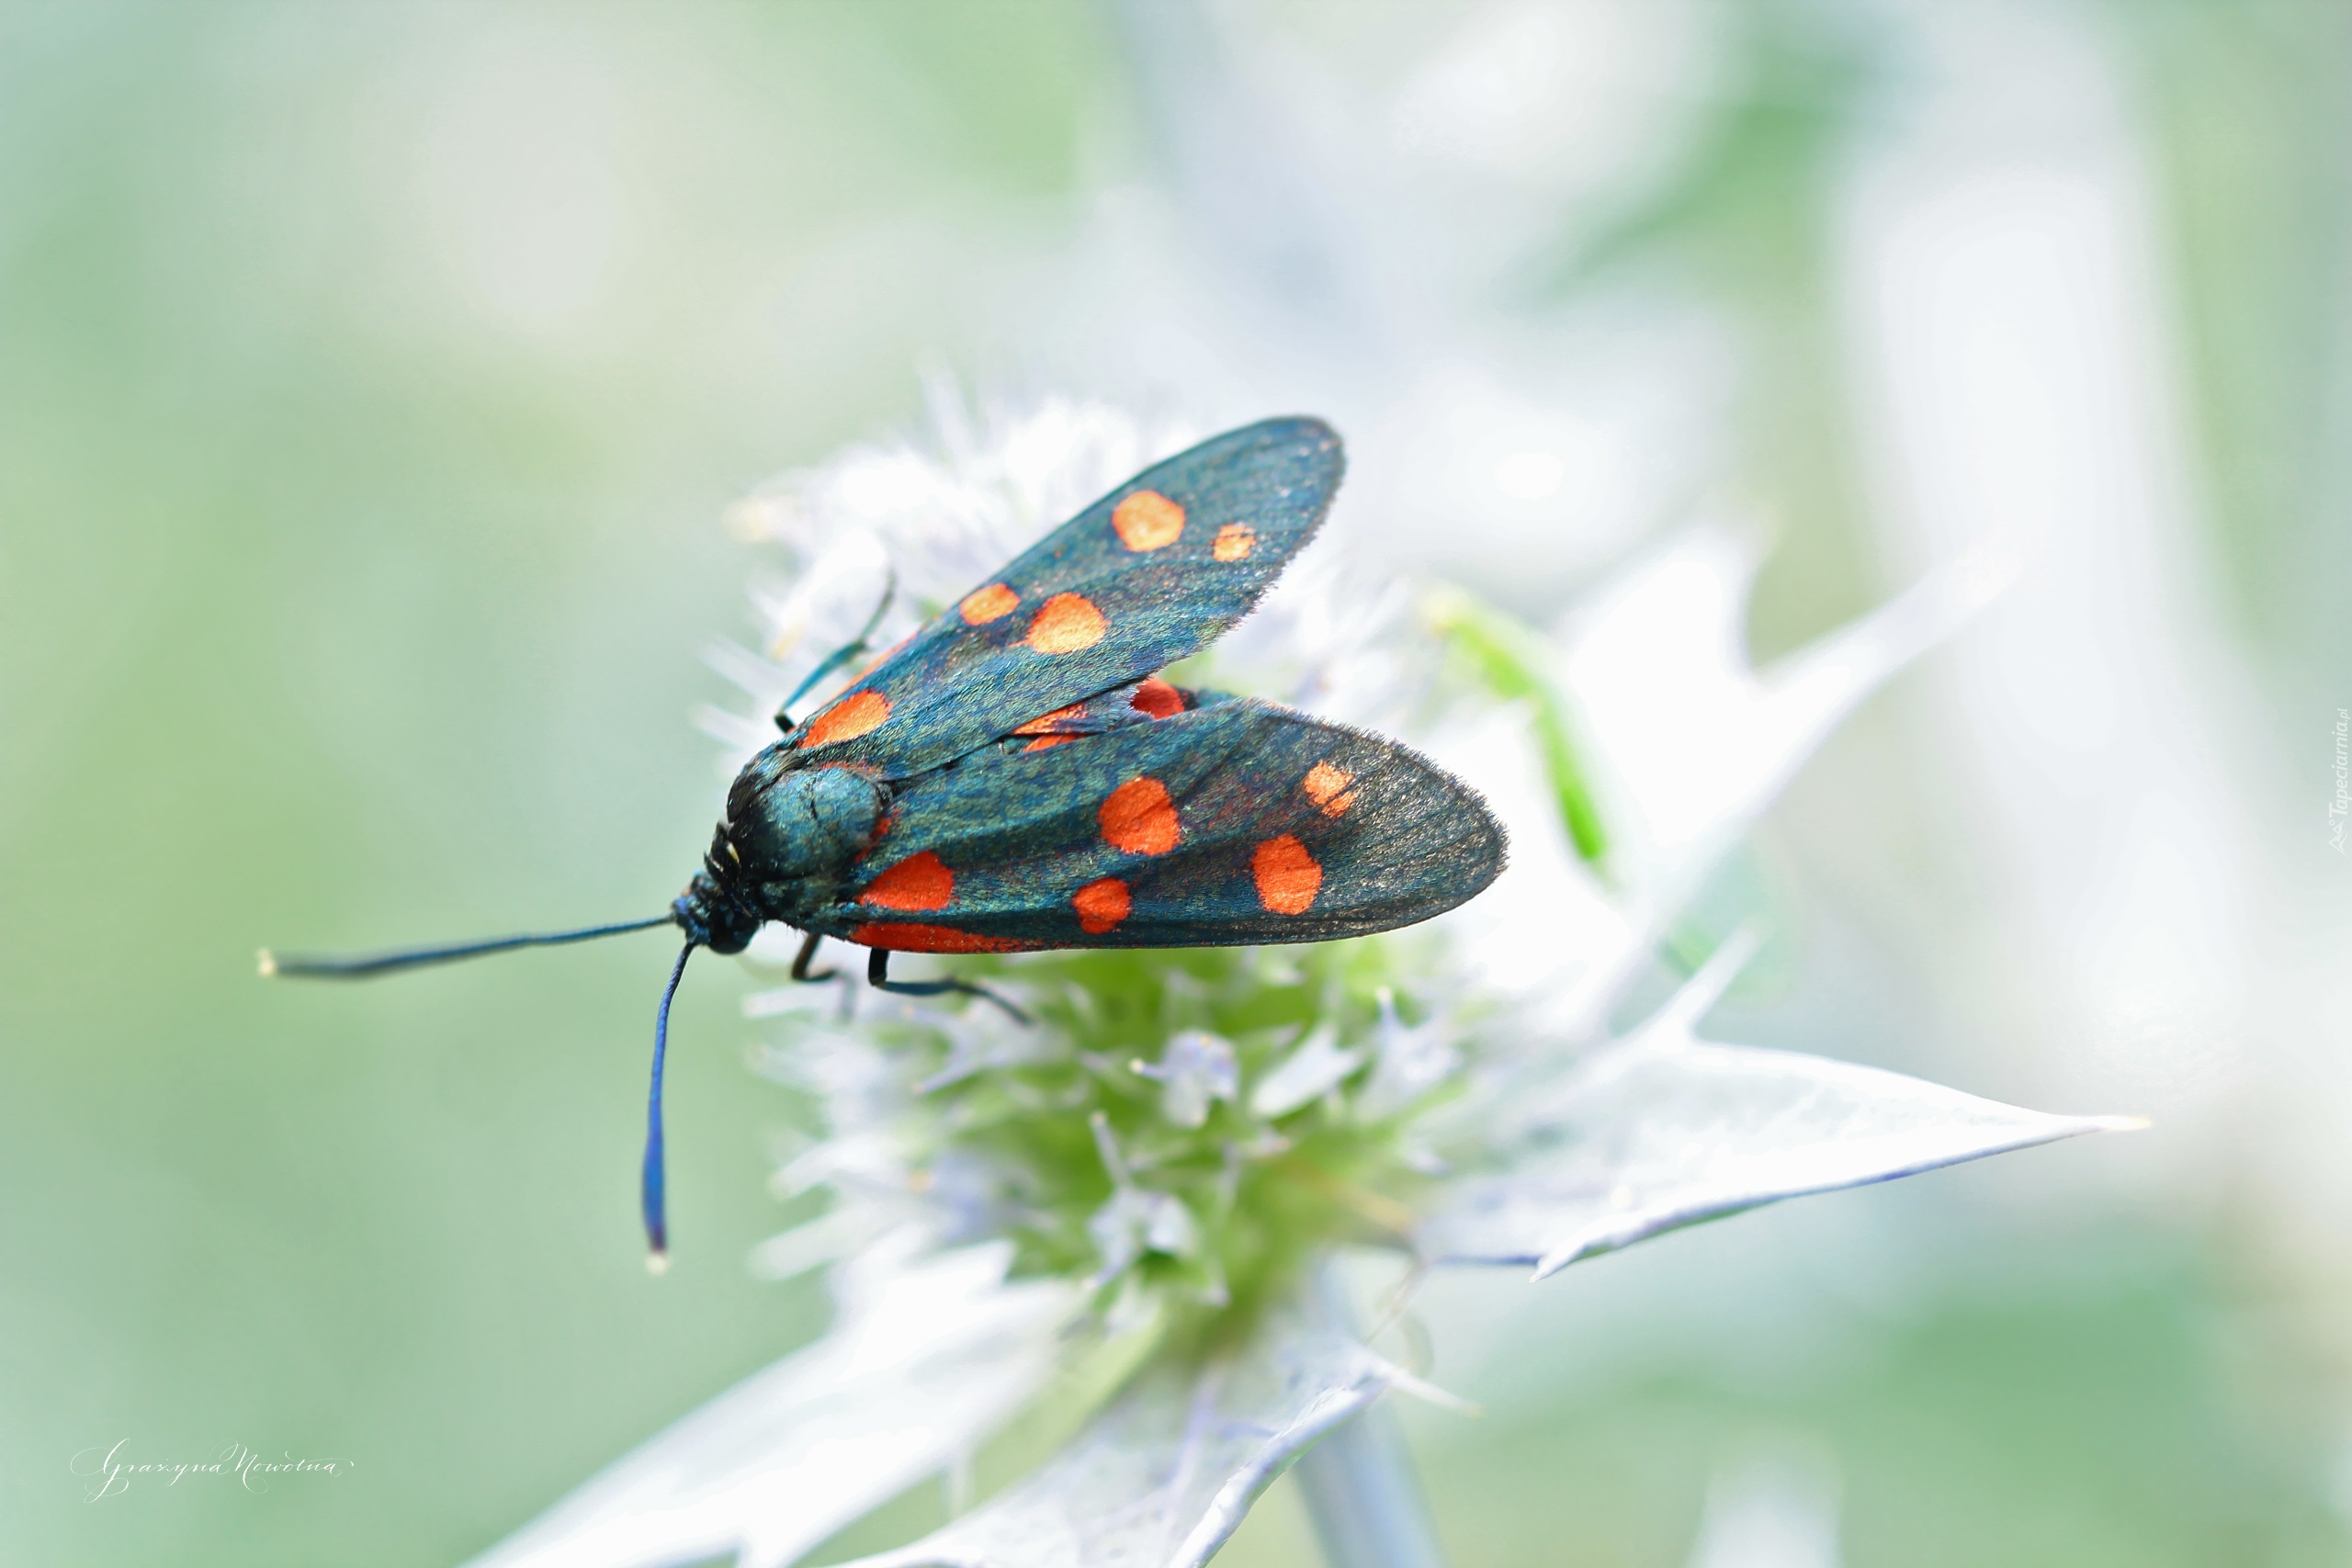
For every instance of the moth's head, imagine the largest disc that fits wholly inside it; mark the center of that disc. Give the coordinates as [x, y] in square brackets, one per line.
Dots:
[713, 912]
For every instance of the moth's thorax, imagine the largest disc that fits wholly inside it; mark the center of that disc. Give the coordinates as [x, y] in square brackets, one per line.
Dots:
[789, 838]
[800, 825]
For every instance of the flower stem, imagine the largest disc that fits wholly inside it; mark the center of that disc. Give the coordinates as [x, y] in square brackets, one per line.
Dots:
[1364, 1498]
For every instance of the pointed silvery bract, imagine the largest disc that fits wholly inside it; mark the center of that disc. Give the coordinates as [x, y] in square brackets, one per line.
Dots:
[1164, 1475]
[1689, 741]
[1663, 1129]
[929, 1356]
[1687, 745]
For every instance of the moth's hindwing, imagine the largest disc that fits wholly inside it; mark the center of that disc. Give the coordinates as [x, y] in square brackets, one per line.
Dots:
[1231, 822]
[1151, 572]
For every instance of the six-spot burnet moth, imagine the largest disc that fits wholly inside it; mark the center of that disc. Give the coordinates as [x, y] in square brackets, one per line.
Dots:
[1016, 775]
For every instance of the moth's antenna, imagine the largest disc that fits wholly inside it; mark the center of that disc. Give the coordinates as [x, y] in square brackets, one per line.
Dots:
[841, 655]
[366, 966]
[657, 1227]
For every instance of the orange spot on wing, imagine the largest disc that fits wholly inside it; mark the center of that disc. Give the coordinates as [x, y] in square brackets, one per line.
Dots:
[1048, 742]
[1066, 623]
[1288, 877]
[984, 605]
[918, 881]
[1148, 521]
[860, 713]
[912, 938]
[1328, 788]
[1139, 817]
[1156, 698]
[1234, 542]
[1047, 723]
[1102, 905]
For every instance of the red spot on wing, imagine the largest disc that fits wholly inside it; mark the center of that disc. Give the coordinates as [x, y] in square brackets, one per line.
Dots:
[860, 713]
[1066, 623]
[1156, 698]
[1050, 723]
[1288, 876]
[1048, 728]
[909, 937]
[918, 881]
[1331, 789]
[984, 605]
[1102, 905]
[1234, 542]
[1139, 817]
[1148, 521]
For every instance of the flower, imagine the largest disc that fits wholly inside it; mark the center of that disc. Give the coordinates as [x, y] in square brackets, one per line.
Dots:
[1106, 1225]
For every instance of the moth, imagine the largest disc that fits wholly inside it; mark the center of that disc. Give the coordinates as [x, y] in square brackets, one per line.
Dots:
[1018, 775]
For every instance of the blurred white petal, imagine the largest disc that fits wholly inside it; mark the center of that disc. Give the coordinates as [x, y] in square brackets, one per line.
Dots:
[1316, 1067]
[1664, 1129]
[1778, 1512]
[1412, 1062]
[928, 1356]
[1689, 742]
[1548, 933]
[828, 1239]
[1195, 1068]
[1165, 1474]
[1686, 745]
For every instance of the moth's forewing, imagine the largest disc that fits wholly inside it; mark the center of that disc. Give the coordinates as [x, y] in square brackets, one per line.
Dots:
[1150, 573]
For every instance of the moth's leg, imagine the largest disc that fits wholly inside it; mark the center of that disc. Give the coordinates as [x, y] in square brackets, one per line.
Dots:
[877, 974]
[800, 970]
[841, 655]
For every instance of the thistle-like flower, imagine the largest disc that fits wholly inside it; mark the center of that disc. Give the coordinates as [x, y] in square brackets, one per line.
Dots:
[1086, 1249]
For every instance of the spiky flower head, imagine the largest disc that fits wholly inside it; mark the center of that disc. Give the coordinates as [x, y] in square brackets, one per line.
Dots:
[1084, 1247]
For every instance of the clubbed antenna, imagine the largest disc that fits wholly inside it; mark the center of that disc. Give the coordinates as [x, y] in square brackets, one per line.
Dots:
[657, 1225]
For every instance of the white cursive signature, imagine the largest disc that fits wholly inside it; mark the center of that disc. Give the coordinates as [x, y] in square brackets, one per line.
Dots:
[110, 1471]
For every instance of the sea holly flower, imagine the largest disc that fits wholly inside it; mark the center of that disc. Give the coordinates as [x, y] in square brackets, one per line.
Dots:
[1077, 1260]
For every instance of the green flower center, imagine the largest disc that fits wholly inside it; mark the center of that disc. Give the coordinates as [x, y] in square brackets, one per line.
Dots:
[1198, 1124]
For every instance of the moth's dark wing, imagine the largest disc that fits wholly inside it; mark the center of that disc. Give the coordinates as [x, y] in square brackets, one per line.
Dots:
[1230, 823]
[1151, 572]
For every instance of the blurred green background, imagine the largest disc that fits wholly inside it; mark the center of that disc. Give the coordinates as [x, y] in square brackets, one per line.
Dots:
[373, 379]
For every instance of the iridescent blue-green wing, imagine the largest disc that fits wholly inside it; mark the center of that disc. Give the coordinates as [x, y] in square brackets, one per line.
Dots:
[1232, 822]
[1149, 574]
